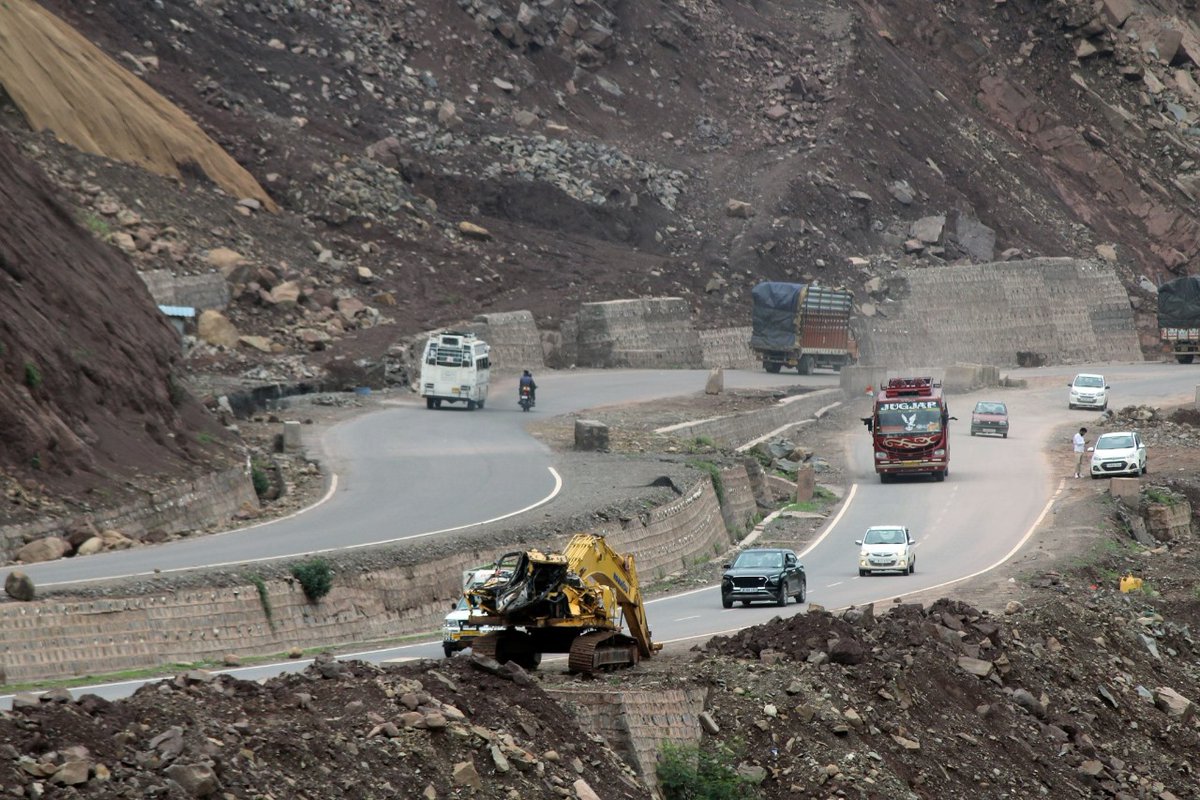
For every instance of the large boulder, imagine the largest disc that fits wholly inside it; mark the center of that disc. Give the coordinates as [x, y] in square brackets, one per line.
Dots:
[216, 329]
[48, 548]
[19, 586]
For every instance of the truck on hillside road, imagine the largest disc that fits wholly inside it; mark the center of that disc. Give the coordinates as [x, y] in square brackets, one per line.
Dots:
[1179, 317]
[801, 326]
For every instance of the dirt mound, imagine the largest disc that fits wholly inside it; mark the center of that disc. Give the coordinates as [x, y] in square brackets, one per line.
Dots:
[64, 83]
[337, 730]
[947, 701]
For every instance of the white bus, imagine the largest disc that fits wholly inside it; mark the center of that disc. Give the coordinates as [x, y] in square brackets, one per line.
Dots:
[455, 369]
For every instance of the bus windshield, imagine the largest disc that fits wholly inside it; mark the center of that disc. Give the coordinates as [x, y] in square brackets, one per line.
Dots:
[923, 420]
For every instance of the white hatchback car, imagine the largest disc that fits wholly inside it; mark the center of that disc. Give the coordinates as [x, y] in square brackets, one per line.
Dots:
[1088, 391]
[887, 548]
[1119, 453]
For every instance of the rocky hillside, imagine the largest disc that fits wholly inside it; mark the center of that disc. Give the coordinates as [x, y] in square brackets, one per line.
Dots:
[431, 160]
[92, 408]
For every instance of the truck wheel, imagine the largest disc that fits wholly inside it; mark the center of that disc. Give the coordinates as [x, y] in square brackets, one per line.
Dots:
[1184, 358]
[772, 368]
[885, 477]
[471, 405]
[429, 402]
[940, 475]
[805, 367]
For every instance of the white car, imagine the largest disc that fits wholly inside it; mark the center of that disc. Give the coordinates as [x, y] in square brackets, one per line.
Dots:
[1088, 391]
[887, 548]
[1119, 453]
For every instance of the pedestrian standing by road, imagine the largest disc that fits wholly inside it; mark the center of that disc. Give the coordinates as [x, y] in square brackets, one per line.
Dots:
[1080, 448]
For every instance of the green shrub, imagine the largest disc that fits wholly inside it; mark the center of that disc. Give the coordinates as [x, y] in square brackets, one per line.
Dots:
[685, 772]
[33, 376]
[262, 484]
[315, 577]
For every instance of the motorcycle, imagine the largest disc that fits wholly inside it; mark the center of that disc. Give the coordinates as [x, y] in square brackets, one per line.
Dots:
[525, 399]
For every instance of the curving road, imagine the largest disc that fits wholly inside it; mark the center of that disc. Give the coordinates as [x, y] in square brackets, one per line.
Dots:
[406, 472]
[996, 493]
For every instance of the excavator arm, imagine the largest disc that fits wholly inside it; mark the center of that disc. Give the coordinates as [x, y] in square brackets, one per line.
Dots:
[590, 557]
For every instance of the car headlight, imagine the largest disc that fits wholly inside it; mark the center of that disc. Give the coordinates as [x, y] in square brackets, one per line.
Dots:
[1003, 423]
[939, 452]
[880, 455]
[774, 579]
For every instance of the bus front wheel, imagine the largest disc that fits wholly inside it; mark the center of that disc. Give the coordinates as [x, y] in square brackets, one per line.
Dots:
[429, 402]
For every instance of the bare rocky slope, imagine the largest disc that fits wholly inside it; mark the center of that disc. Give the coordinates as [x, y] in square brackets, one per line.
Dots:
[434, 159]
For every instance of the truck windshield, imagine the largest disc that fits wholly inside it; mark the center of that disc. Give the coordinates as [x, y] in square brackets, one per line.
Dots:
[924, 420]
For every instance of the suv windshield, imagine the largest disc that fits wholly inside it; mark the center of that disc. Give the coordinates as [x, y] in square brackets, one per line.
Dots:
[884, 536]
[984, 407]
[1114, 442]
[1089, 381]
[752, 560]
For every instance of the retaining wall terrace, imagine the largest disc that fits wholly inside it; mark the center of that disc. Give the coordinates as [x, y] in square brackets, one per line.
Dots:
[1067, 310]
[513, 337]
[736, 429]
[52, 638]
[728, 348]
[198, 291]
[649, 332]
[200, 503]
[739, 505]
[637, 723]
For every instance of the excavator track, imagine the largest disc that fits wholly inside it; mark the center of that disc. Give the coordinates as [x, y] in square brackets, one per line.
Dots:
[505, 646]
[601, 651]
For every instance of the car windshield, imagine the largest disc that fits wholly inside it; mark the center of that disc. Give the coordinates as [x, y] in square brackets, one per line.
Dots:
[1119, 442]
[760, 559]
[984, 407]
[884, 536]
[1089, 381]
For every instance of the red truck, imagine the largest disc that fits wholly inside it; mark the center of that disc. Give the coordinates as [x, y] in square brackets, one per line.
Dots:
[910, 429]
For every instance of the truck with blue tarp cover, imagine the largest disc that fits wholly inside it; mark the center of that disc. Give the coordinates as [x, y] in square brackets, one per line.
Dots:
[803, 326]
[1179, 317]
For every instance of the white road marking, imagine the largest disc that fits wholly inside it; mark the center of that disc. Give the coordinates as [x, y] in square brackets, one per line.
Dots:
[558, 484]
[685, 619]
[831, 585]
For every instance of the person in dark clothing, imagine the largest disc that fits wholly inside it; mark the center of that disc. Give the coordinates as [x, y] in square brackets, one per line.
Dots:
[527, 380]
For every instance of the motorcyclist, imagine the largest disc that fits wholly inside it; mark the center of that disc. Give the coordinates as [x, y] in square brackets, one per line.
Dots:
[527, 380]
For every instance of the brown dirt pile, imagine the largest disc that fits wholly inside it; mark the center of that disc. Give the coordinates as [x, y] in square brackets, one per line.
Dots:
[64, 83]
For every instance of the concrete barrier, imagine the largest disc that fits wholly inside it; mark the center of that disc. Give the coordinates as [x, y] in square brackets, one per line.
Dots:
[649, 332]
[513, 337]
[728, 348]
[209, 290]
[735, 430]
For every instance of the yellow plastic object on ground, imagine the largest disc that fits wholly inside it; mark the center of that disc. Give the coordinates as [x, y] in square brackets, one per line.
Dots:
[1129, 583]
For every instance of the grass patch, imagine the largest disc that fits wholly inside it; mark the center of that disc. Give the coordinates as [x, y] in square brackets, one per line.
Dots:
[714, 472]
[96, 224]
[33, 375]
[207, 438]
[264, 599]
[1160, 496]
[822, 498]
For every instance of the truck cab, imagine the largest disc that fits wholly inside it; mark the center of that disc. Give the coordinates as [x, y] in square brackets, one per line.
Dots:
[909, 428]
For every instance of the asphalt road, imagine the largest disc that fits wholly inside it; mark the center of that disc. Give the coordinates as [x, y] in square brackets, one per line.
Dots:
[995, 494]
[407, 472]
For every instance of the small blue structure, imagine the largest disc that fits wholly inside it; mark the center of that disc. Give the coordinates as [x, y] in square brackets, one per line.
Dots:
[179, 316]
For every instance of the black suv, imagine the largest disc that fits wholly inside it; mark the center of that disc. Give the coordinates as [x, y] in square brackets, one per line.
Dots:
[763, 574]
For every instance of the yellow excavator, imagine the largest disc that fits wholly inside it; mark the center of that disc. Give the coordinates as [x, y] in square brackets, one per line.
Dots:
[570, 602]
